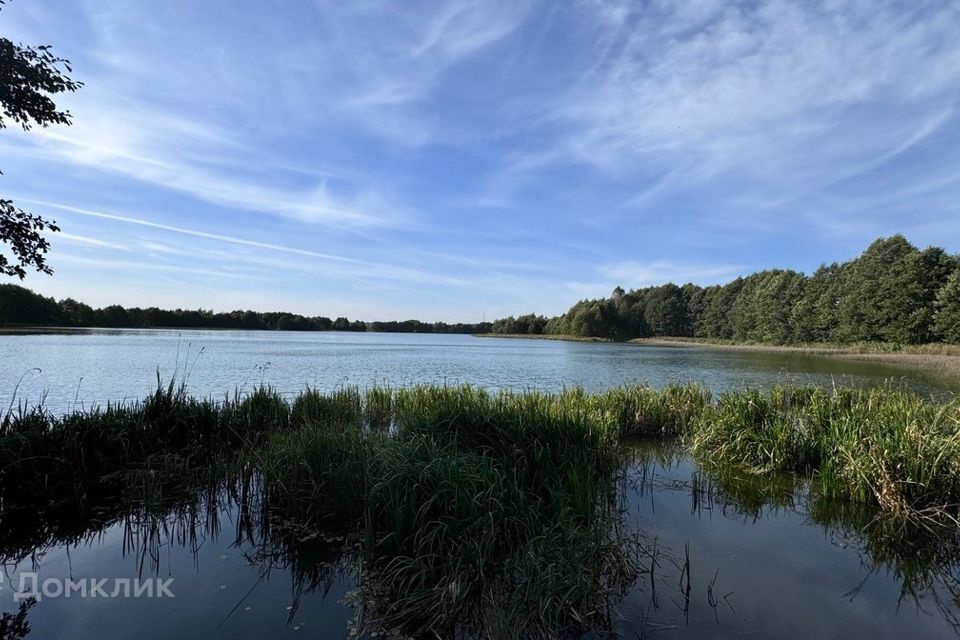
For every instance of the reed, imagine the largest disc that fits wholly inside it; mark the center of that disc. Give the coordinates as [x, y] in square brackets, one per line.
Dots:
[471, 505]
[472, 493]
[887, 447]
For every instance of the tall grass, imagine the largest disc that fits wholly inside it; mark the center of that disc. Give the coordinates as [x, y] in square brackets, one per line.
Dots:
[471, 506]
[884, 446]
[881, 446]
[481, 494]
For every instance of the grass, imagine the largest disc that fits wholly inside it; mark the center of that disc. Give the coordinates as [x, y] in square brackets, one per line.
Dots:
[880, 446]
[885, 446]
[472, 495]
[468, 506]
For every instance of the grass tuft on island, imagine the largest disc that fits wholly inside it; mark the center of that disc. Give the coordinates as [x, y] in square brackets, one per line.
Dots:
[471, 506]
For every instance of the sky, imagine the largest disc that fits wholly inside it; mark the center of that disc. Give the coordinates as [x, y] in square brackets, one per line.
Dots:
[474, 159]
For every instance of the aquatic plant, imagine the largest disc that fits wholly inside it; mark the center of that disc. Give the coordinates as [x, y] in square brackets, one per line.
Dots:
[887, 447]
[469, 505]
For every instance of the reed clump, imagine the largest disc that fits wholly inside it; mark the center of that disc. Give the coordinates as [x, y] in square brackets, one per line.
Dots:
[483, 493]
[643, 412]
[882, 446]
[459, 494]
[83, 454]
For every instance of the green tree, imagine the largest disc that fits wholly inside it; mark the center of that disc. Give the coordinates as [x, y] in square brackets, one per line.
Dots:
[814, 314]
[762, 309]
[718, 302]
[947, 310]
[932, 269]
[592, 318]
[29, 76]
[665, 311]
[22, 306]
[695, 299]
[881, 291]
[892, 293]
[77, 314]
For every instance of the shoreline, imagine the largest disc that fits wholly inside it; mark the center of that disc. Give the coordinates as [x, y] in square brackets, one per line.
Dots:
[932, 359]
[541, 336]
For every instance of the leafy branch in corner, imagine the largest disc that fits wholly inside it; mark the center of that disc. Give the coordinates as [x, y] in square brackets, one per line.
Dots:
[29, 76]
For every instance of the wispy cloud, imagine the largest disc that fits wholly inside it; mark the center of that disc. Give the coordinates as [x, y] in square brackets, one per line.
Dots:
[404, 64]
[786, 95]
[86, 241]
[208, 164]
[192, 232]
[320, 263]
[633, 274]
[146, 266]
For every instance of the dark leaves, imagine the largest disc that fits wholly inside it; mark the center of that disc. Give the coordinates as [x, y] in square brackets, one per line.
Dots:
[29, 76]
[22, 231]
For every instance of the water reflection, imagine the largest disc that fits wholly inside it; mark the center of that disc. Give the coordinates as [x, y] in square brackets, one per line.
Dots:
[770, 557]
[238, 571]
[720, 553]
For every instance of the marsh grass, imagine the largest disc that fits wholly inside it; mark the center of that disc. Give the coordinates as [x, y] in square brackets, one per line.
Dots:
[884, 447]
[642, 412]
[469, 506]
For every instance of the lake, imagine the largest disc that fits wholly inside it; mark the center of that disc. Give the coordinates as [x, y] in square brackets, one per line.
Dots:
[724, 554]
[92, 367]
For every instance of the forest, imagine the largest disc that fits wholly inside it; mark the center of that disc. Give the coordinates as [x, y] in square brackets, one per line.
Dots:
[893, 292]
[20, 306]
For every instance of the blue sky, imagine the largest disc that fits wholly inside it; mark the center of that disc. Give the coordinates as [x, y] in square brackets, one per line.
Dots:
[386, 160]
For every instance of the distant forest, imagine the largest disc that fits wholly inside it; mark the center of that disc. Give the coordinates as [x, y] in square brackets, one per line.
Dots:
[892, 293]
[20, 306]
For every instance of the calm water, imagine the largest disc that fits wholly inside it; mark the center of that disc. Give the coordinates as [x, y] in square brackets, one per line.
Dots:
[766, 562]
[97, 366]
[780, 562]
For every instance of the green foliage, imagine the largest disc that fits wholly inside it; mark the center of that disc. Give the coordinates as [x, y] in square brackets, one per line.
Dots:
[665, 311]
[529, 324]
[23, 232]
[759, 311]
[947, 310]
[892, 293]
[881, 292]
[882, 447]
[21, 306]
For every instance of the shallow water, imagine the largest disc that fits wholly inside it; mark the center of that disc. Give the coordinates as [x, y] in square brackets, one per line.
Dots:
[767, 560]
[86, 368]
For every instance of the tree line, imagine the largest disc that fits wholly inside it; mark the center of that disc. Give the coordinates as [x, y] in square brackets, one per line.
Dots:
[893, 292]
[20, 306]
